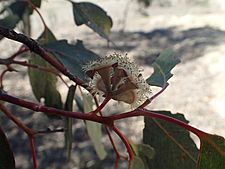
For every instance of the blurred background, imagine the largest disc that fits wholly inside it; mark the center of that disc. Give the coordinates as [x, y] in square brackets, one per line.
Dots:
[193, 29]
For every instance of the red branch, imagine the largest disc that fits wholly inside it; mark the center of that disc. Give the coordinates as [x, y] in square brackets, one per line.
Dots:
[109, 120]
[34, 157]
[125, 141]
[148, 101]
[36, 48]
[147, 113]
[34, 8]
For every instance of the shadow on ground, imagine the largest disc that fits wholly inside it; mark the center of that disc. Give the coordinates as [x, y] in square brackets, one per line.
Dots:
[144, 46]
[186, 44]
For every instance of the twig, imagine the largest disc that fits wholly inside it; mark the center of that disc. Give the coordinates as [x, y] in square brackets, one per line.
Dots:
[15, 120]
[101, 106]
[125, 141]
[147, 113]
[109, 120]
[34, 8]
[27, 130]
[148, 101]
[34, 156]
[41, 68]
[118, 156]
[36, 48]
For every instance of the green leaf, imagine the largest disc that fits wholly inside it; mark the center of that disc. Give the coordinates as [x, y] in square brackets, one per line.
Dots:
[69, 121]
[144, 152]
[44, 83]
[13, 13]
[164, 63]
[93, 128]
[93, 16]
[137, 163]
[7, 160]
[212, 152]
[79, 103]
[72, 56]
[9, 21]
[36, 3]
[174, 149]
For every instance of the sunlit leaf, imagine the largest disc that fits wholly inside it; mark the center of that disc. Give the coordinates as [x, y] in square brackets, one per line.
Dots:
[72, 56]
[69, 121]
[94, 129]
[137, 163]
[174, 148]
[164, 63]
[212, 152]
[6, 155]
[44, 83]
[93, 16]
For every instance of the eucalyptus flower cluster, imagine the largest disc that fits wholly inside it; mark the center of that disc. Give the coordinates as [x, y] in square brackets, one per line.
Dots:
[118, 77]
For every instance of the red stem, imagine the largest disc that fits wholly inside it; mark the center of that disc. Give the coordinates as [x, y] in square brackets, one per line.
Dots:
[36, 48]
[125, 141]
[52, 111]
[20, 51]
[34, 157]
[110, 137]
[103, 120]
[100, 107]
[16, 121]
[41, 68]
[147, 113]
[148, 101]
[34, 8]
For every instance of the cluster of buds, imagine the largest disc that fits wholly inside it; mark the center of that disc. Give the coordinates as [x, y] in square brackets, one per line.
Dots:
[119, 78]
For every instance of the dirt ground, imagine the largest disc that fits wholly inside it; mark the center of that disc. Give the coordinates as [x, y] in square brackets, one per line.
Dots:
[194, 32]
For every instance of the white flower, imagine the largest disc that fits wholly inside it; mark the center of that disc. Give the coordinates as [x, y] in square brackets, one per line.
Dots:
[118, 77]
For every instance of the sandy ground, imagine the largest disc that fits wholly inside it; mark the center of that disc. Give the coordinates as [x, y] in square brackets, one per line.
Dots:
[195, 33]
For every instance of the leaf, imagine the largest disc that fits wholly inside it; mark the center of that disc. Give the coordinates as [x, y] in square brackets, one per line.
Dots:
[13, 13]
[79, 103]
[137, 163]
[174, 149]
[9, 21]
[93, 128]
[93, 16]
[212, 152]
[69, 121]
[18, 8]
[162, 67]
[72, 56]
[144, 152]
[7, 160]
[36, 3]
[44, 83]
